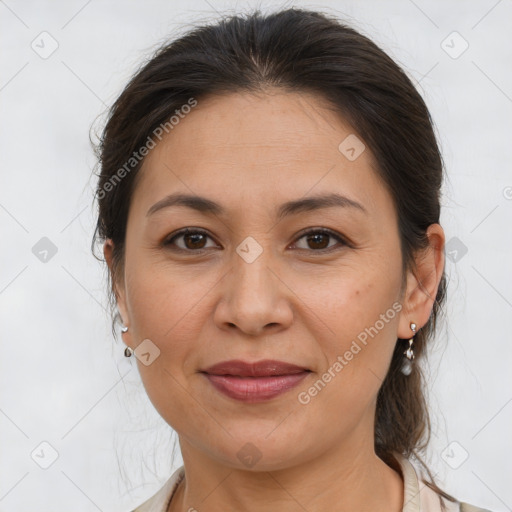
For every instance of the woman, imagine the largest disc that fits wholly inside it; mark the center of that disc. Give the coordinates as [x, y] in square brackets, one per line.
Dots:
[269, 207]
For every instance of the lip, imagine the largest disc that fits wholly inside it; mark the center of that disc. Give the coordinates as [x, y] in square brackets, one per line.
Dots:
[254, 382]
[264, 368]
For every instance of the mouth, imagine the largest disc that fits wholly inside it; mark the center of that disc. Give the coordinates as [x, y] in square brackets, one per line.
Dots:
[254, 382]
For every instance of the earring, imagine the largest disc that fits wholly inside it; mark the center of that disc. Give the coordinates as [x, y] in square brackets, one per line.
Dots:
[409, 353]
[127, 351]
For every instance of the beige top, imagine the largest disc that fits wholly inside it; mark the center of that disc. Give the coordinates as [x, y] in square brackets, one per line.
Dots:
[417, 496]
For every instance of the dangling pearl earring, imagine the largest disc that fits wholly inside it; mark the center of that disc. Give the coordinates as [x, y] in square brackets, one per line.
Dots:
[409, 354]
[127, 351]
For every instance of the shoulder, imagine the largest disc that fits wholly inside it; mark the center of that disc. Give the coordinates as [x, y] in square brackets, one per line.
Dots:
[419, 497]
[459, 506]
[159, 502]
[466, 507]
[456, 506]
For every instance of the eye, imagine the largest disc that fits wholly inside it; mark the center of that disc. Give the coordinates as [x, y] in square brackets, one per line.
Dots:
[318, 239]
[194, 240]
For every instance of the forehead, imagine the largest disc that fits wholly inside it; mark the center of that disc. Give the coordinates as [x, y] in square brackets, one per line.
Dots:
[253, 145]
[292, 125]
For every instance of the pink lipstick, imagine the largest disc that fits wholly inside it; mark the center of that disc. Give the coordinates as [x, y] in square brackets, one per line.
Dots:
[254, 382]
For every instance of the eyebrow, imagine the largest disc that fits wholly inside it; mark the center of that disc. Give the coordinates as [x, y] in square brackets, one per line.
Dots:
[207, 206]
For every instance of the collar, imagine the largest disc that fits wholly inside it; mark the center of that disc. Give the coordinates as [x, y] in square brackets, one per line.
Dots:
[418, 497]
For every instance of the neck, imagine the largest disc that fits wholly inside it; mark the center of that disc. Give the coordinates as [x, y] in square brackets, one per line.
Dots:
[352, 478]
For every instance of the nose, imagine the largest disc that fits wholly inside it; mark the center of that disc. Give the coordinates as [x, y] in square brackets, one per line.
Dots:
[255, 299]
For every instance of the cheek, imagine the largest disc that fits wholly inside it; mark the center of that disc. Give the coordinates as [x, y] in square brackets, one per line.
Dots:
[164, 307]
[346, 302]
[359, 312]
[356, 358]
[164, 299]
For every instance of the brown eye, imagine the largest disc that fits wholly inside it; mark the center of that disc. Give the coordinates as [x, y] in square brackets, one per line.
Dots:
[319, 240]
[191, 240]
[194, 240]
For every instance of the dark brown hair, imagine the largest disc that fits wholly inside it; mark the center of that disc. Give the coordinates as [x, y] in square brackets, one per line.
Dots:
[304, 51]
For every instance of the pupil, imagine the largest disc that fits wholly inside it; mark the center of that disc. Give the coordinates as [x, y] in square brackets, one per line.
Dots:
[195, 238]
[317, 239]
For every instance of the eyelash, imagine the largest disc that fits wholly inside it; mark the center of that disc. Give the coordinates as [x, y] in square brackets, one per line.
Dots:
[323, 231]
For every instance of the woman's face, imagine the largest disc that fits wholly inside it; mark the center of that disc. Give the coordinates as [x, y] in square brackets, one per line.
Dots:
[252, 286]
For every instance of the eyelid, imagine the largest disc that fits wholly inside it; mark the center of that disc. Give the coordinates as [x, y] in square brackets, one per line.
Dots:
[342, 240]
[307, 231]
[185, 231]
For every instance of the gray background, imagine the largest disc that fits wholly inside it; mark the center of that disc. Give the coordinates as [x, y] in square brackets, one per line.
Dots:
[64, 380]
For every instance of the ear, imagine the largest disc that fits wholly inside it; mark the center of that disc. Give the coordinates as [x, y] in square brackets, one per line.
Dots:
[118, 285]
[422, 285]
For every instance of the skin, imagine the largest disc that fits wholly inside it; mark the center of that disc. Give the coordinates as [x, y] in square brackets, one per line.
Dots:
[297, 302]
